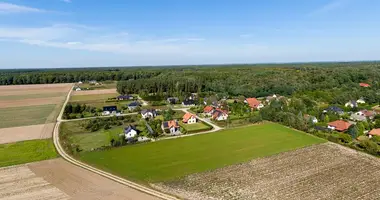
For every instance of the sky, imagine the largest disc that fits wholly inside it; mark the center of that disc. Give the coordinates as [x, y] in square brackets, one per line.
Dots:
[88, 33]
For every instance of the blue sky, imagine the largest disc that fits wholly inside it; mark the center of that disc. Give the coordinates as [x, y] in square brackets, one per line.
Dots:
[85, 33]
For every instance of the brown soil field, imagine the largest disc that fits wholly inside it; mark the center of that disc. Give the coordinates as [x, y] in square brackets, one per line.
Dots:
[324, 171]
[34, 89]
[30, 102]
[80, 184]
[88, 92]
[22, 133]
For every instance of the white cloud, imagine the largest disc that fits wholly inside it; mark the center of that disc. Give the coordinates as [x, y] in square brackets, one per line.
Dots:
[7, 8]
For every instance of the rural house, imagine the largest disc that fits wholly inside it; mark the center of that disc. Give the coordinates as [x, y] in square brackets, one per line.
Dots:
[188, 102]
[130, 132]
[364, 85]
[358, 118]
[254, 103]
[339, 125]
[212, 100]
[124, 97]
[208, 110]
[366, 113]
[132, 106]
[148, 113]
[360, 101]
[219, 115]
[334, 109]
[313, 119]
[171, 127]
[172, 100]
[107, 110]
[351, 104]
[374, 132]
[78, 89]
[189, 118]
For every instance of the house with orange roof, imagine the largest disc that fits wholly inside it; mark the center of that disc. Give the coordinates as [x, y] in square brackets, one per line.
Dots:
[208, 110]
[171, 127]
[254, 103]
[374, 132]
[339, 125]
[189, 118]
[219, 115]
[364, 85]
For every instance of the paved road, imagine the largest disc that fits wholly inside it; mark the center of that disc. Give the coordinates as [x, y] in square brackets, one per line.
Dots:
[95, 170]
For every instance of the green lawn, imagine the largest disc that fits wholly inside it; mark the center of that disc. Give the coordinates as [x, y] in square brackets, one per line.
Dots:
[32, 96]
[92, 97]
[24, 116]
[99, 100]
[171, 159]
[26, 151]
[199, 126]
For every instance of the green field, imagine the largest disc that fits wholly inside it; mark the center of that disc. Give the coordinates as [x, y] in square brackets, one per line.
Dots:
[99, 100]
[92, 97]
[105, 85]
[199, 126]
[32, 96]
[26, 151]
[24, 116]
[88, 140]
[171, 159]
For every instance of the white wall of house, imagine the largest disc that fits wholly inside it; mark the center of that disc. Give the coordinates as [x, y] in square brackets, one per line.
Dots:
[131, 134]
[106, 113]
[349, 105]
[361, 101]
[192, 120]
[260, 106]
[147, 115]
[222, 117]
[331, 127]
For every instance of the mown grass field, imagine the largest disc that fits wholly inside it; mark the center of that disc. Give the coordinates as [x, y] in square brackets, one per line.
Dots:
[24, 116]
[26, 151]
[92, 97]
[88, 140]
[199, 126]
[172, 159]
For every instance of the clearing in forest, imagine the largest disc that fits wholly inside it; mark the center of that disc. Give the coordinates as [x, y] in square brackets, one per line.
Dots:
[171, 159]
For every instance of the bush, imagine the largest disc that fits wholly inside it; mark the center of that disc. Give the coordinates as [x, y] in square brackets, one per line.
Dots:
[370, 147]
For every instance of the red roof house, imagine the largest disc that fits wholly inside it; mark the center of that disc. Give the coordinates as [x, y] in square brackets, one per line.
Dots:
[189, 118]
[208, 109]
[374, 132]
[254, 103]
[364, 85]
[339, 125]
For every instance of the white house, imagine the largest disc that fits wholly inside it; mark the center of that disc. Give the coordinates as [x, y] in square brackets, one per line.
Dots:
[151, 113]
[360, 101]
[106, 112]
[172, 127]
[351, 104]
[189, 118]
[78, 89]
[80, 82]
[130, 132]
[219, 115]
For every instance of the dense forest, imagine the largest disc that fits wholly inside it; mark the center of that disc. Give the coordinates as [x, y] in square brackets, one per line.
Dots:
[326, 82]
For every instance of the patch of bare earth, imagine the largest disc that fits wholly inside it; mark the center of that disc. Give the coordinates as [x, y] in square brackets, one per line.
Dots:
[22, 133]
[34, 89]
[81, 184]
[324, 171]
[89, 92]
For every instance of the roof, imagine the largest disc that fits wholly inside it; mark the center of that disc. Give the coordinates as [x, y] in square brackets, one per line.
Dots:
[375, 132]
[129, 128]
[109, 108]
[218, 112]
[134, 104]
[208, 109]
[187, 116]
[188, 102]
[340, 125]
[124, 96]
[334, 109]
[353, 102]
[368, 113]
[147, 111]
[169, 124]
[358, 117]
[364, 85]
[253, 102]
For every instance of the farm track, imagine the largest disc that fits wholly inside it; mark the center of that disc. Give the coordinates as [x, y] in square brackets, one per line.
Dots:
[117, 179]
[324, 171]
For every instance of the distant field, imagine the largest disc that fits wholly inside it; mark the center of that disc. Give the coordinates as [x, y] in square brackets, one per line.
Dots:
[24, 116]
[32, 96]
[26, 151]
[90, 92]
[92, 97]
[98, 100]
[171, 159]
[199, 126]
[105, 85]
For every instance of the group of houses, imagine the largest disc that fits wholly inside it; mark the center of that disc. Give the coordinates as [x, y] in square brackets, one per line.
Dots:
[215, 113]
[343, 126]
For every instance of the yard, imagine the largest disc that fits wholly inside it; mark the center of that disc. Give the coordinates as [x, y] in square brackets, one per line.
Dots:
[26, 151]
[172, 159]
[197, 127]
[99, 100]
[24, 116]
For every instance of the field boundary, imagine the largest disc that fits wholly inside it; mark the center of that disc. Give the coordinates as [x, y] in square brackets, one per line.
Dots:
[97, 171]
